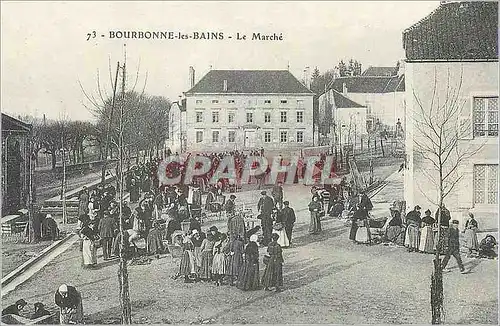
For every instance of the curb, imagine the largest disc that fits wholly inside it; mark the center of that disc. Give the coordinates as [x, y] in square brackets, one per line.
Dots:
[21, 269]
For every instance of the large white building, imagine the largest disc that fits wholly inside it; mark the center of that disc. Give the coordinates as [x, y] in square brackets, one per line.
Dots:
[248, 109]
[454, 50]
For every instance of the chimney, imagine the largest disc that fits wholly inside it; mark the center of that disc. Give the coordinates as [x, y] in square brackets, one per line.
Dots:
[191, 76]
[225, 85]
[344, 89]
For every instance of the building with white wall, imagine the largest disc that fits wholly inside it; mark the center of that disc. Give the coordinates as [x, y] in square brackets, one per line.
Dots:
[176, 138]
[248, 109]
[454, 50]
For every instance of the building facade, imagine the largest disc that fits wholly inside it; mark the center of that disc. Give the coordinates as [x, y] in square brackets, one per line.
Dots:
[248, 109]
[383, 96]
[16, 161]
[343, 121]
[441, 63]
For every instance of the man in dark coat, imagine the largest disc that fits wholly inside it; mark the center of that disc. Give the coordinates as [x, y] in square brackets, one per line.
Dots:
[15, 308]
[107, 227]
[453, 248]
[230, 206]
[288, 219]
[445, 216]
[277, 194]
[265, 207]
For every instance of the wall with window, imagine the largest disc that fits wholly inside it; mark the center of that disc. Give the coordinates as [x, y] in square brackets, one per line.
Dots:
[270, 115]
[477, 122]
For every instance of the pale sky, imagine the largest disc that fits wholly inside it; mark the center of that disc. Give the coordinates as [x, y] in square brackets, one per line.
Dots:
[45, 51]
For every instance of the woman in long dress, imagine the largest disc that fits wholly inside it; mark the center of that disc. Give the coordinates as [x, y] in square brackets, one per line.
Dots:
[363, 232]
[471, 234]
[236, 250]
[248, 277]
[89, 250]
[187, 267]
[279, 229]
[412, 236]
[427, 234]
[273, 274]
[218, 264]
[207, 256]
[315, 207]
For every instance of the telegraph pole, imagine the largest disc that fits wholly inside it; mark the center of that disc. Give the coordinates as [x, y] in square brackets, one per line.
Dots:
[106, 150]
[63, 192]
[122, 271]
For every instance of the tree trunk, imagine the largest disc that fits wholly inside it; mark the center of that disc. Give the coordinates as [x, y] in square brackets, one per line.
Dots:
[382, 147]
[53, 156]
[82, 153]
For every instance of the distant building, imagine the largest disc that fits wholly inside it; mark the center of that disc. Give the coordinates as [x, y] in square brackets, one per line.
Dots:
[341, 118]
[380, 89]
[176, 138]
[16, 160]
[455, 48]
[248, 109]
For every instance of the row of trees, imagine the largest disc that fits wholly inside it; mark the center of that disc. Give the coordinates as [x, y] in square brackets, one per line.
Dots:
[146, 129]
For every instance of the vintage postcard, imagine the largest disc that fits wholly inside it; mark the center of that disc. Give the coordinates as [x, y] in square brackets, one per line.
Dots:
[211, 162]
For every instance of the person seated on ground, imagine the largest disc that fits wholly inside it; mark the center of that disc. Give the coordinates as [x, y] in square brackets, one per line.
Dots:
[69, 300]
[49, 228]
[14, 309]
[394, 230]
[40, 311]
[487, 247]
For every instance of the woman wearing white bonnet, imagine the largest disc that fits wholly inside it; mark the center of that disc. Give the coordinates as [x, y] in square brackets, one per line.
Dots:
[254, 238]
[69, 301]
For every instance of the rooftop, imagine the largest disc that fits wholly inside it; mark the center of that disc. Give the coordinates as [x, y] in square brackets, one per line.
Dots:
[343, 102]
[12, 124]
[249, 82]
[369, 84]
[466, 31]
[380, 71]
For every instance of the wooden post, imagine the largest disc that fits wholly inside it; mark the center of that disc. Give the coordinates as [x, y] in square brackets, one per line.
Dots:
[122, 270]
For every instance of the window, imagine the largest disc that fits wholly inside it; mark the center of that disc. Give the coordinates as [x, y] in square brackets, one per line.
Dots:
[230, 101]
[231, 136]
[267, 136]
[199, 101]
[267, 116]
[300, 137]
[300, 116]
[215, 117]
[284, 101]
[485, 116]
[199, 116]
[267, 101]
[283, 136]
[199, 136]
[485, 184]
[230, 117]
[283, 116]
[215, 136]
[300, 104]
[215, 101]
[249, 117]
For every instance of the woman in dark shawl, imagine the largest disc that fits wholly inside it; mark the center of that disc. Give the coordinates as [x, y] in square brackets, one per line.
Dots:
[248, 277]
[273, 274]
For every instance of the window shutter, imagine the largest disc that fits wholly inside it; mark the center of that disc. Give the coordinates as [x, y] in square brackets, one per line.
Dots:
[466, 127]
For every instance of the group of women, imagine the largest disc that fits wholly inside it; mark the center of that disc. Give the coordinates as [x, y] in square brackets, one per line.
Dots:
[214, 257]
[419, 234]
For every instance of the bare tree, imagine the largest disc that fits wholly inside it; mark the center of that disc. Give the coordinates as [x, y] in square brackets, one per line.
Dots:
[437, 135]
